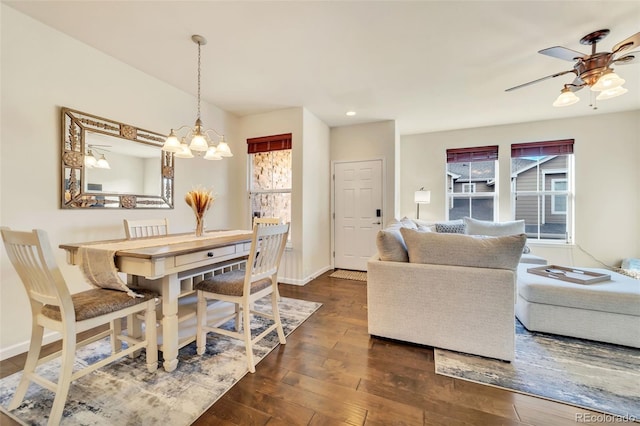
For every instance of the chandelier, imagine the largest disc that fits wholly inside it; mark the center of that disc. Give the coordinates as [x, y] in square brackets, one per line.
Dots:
[199, 140]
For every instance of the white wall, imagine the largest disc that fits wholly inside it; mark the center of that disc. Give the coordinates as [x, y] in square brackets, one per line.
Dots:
[43, 70]
[607, 167]
[316, 196]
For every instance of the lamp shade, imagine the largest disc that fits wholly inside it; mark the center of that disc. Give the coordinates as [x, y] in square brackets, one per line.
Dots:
[566, 98]
[608, 80]
[422, 197]
[611, 93]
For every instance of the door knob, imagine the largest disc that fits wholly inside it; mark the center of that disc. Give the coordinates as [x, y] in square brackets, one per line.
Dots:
[377, 223]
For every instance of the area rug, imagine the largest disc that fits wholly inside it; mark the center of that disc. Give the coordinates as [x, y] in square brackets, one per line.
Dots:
[592, 375]
[349, 275]
[125, 393]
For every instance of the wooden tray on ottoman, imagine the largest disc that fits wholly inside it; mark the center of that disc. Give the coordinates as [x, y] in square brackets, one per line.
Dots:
[574, 275]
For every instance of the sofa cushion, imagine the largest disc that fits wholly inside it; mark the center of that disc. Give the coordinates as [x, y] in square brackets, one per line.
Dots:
[464, 250]
[494, 229]
[391, 246]
[451, 227]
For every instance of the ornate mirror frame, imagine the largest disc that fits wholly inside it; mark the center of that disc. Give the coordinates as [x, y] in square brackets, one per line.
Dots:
[75, 125]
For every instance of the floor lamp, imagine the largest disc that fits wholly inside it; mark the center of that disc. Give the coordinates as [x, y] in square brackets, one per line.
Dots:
[421, 197]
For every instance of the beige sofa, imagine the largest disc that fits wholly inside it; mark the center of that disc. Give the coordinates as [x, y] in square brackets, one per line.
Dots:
[455, 292]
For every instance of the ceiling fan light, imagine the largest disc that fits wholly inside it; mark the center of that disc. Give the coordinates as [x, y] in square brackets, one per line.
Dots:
[608, 80]
[566, 98]
[611, 93]
[212, 154]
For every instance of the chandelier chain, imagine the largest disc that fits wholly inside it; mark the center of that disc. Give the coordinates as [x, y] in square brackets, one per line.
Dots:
[199, 80]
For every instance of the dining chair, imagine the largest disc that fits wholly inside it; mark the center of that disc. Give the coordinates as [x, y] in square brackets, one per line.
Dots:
[266, 220]
[143, 228]
[243, 287]
[54, 308]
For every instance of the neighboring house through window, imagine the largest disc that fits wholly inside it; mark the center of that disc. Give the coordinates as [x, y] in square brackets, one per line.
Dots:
[270, 176]
[471, 182]
[542, 183]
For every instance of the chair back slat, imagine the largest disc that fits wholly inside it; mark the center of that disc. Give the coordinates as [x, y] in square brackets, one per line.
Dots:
[31, 256]
[267, 247]
[146, 228]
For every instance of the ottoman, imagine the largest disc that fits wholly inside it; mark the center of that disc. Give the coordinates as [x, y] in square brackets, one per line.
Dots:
[607, 311]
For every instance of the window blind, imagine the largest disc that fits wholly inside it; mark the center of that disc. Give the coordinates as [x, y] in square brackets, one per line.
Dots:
[465, 155]
[269, 143]
[541, 149]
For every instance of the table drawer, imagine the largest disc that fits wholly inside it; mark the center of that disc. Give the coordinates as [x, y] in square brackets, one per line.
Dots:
[199, 256]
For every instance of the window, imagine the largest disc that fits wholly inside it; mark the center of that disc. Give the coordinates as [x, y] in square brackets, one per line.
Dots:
[542, 185]
[471, 182]
[270, 176]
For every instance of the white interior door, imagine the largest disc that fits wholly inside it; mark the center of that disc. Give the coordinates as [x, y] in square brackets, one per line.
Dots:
[358, 212]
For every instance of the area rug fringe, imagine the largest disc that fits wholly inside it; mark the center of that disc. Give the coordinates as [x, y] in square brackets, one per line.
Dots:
[124, 392]
[349, 275]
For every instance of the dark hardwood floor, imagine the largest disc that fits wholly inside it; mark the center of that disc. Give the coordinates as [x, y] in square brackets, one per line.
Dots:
[332, 372]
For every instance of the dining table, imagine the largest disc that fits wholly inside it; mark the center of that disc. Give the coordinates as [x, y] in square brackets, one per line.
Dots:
[171, 265]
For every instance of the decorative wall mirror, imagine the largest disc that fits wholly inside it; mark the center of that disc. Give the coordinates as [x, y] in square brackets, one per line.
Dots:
[106, 164]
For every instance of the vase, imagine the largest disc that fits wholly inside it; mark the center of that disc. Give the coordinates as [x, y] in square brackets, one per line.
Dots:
[199, 226]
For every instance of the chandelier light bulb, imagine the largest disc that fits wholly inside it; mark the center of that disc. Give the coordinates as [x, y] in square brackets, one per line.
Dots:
[184, 152]
[103, 163]
[608, 80]
[172, 144]
[223, 149]
[90, 160]
[566, 98]
[198, 143]
[212, 154]
[611, 93]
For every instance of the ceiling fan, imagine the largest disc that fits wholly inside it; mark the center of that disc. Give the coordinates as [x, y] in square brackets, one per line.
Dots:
[593, 70]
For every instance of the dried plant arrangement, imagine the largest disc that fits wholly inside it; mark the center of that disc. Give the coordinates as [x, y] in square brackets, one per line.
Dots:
[200, 200]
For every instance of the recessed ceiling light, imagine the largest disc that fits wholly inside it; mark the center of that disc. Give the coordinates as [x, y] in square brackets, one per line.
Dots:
[351, 113]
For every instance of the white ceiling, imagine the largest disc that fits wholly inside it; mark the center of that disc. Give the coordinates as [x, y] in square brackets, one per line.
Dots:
[429, 65]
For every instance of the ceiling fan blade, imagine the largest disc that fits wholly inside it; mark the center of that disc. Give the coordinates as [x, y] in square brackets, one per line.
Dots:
[540, 79]
[631, 42]
[629, 58]
[562, 53]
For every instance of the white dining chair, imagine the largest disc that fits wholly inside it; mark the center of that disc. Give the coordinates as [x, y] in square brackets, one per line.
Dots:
[143, 228]
[243, 287]
[54, 308]
[266, 220]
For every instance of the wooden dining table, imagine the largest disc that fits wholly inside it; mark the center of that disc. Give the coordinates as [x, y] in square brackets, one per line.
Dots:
[171, 265]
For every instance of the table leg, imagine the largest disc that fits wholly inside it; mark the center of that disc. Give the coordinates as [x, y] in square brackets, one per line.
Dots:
[170, 293]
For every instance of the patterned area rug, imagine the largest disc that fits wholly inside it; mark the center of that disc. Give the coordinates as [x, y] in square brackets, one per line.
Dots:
[349, 275]
[592, 375]
[125, 393]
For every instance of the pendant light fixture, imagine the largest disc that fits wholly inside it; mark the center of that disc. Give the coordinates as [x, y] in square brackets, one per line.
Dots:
[199, 141]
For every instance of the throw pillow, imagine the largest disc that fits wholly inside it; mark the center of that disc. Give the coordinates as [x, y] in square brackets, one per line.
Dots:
[408, 223]
[493, 229]
[464, 250]
[451, 227]
[391, 246]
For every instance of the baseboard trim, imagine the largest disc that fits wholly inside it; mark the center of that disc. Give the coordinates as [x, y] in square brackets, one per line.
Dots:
[23, 347]
[306, 280]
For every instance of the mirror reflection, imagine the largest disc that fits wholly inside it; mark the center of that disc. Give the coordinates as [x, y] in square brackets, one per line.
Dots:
[117, 166]
[106, 164]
